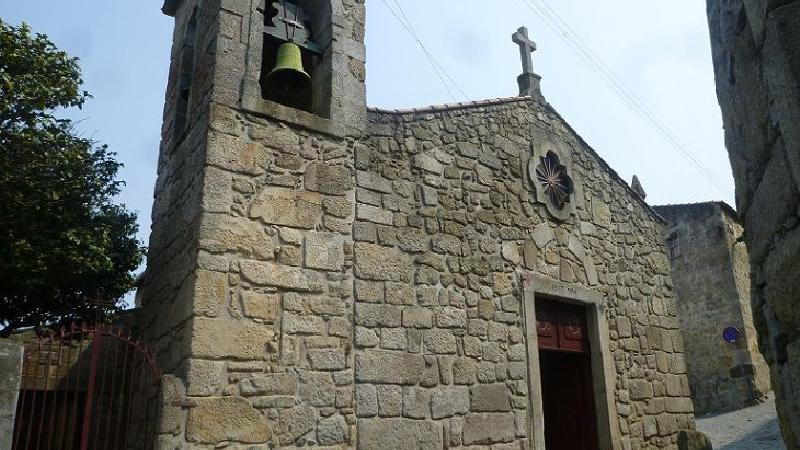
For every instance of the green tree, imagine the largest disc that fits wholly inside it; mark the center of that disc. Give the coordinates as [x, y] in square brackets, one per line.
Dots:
[64, 243]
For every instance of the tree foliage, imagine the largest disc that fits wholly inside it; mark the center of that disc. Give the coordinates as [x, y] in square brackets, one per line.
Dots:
[64, 243]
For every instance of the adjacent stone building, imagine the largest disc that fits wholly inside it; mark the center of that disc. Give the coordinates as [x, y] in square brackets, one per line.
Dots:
[327, 275]
[711, 272]
[756, 51]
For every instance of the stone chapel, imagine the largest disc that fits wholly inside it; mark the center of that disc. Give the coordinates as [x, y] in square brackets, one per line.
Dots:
[326, 275]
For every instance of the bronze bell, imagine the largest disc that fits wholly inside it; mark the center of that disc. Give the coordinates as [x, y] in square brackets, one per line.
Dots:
[288, 82]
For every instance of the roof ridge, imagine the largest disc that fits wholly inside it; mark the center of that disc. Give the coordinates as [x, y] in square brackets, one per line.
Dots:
[721, 203]
[454, 105]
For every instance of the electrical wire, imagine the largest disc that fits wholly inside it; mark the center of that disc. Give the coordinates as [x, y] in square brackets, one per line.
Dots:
[438, 69]
[414, 34]
[561, 28]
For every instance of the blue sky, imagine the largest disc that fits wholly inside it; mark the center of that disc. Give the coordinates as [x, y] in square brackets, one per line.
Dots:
[658, 48]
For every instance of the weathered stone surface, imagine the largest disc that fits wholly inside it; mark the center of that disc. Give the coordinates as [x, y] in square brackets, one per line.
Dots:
[332, 430]
[468, 149]
[464, 371]
[417, 317]
[374, 214]
[221, 233]
[327, 306]
[489, 397]
[428, 163]
[440, 341]
[235, 154]
[542, 234]
[488, 428]
[294, 423]
[366, 400]
[381, 366]
[601, 214]
[278, 206]
[503, 283]
[576, 247]
[210, 292]
[324, 251]
[373, 181]
[327, 358]
[173, 418]
[416, 402]
[378, 315]
[220, 419]
[390, 400]
[260, 306]
[219, 338]
[204, 378]
[269, 384]
[530, 254]
[373, 262]
[510, 252]
[450, 317]
[328, 179]
[591, 271]
[317, 389]
[449, 401]
[393, 338]
[366, 337]
[399, 434]
[278, 275]
[303, 324]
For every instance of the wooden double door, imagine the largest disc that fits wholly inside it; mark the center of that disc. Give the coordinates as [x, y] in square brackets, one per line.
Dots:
[565, 368]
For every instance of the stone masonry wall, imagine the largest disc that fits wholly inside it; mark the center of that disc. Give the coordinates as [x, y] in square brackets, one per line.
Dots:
[444, 226]
[710, 272]
[272, 332]
[756, 52]
[741, 271]
[248, 292]
[170, 281]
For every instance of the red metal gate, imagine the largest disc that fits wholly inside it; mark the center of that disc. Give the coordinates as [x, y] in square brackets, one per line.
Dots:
[87, 388]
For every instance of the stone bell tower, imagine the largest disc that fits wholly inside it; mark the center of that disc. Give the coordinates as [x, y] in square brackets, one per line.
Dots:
[247, 297]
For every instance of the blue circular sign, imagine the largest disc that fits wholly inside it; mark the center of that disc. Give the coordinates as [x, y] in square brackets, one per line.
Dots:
[731, 335]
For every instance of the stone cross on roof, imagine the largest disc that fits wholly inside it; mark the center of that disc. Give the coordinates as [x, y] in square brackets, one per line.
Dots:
[526, 47]
[529, 80]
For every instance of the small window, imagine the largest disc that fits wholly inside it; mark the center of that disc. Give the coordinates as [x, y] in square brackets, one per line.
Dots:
[673, 245]
[187, 62]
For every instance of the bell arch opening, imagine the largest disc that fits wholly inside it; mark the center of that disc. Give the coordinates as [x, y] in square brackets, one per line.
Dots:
[296, 62]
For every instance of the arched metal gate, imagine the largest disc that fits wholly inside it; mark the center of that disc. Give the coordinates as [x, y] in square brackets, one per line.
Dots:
[87, 388]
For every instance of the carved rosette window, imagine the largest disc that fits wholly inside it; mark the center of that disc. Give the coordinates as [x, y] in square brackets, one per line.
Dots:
[554, 180]
[550, 174]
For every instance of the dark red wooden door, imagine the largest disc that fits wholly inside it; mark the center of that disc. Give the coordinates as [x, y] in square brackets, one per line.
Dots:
[569, 419]
[561, 326]
[565, 368]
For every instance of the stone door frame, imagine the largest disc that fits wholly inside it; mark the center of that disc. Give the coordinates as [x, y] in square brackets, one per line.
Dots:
[602, 366]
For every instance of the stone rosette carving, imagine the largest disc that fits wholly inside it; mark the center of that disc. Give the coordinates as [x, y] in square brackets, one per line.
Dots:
[550, 172]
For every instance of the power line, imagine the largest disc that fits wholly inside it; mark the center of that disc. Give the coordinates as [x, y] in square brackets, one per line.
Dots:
[561, 28]
[641, 105]
[438, 69]
[414, 34]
